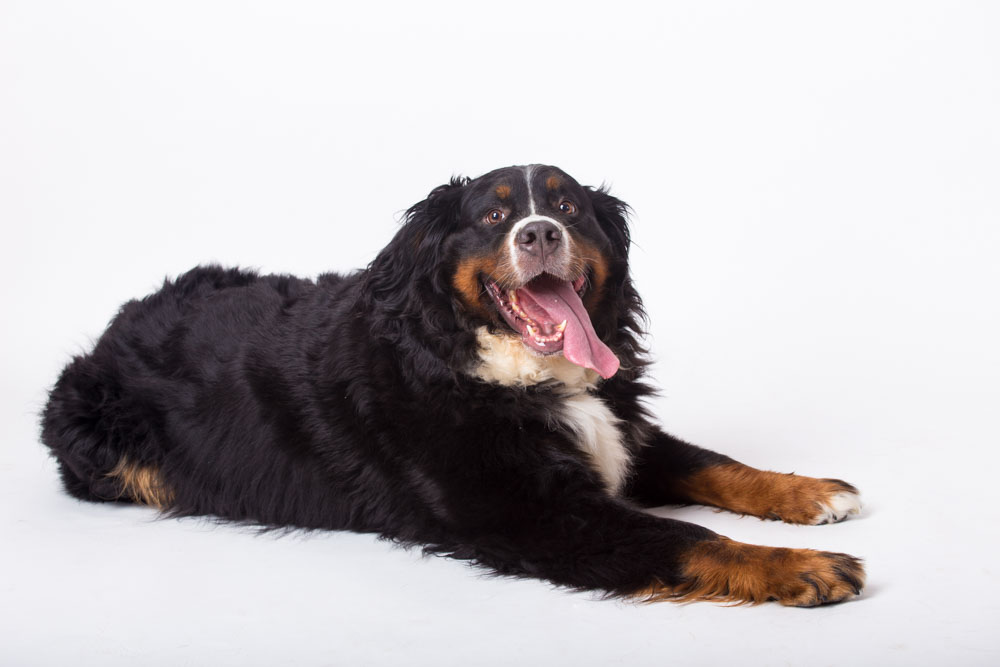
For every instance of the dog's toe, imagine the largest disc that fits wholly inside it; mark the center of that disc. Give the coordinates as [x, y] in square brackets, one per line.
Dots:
[837, 507]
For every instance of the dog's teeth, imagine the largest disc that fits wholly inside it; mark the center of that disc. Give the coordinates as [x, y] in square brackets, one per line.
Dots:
[561, 327]
[517, 309]
[541, 339]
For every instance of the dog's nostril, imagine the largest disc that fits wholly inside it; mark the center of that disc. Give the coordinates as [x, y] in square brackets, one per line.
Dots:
[539, 236]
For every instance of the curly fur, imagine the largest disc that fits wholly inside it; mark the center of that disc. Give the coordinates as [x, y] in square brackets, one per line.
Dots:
[351, 402]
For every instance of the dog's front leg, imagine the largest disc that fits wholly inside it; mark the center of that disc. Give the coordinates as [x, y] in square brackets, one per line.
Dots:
[602, 544]
[669, 470]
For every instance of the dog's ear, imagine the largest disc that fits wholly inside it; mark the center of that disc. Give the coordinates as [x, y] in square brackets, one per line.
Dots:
[429, 222]
[629, 316]
[612, 215]
[418, 248]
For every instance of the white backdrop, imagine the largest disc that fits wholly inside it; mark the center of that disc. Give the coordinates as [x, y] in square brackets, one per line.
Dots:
[817, 227]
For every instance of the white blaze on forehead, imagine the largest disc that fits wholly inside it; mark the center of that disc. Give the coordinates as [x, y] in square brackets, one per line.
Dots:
[532, 216]
[531, 197]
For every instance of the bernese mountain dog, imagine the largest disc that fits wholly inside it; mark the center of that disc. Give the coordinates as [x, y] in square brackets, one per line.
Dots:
[477, 390]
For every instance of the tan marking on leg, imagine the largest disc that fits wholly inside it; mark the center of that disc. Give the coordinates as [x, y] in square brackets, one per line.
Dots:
[770, 495]
[726, 571]
[142, 484]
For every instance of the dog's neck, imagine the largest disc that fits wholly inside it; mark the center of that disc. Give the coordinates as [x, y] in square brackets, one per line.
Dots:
[504, 359]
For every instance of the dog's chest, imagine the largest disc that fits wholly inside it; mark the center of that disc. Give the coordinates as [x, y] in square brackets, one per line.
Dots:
[504, 360]
[598, 436]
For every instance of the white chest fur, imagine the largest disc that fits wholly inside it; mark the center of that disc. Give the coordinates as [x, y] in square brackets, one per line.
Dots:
[505, 360]
[598, 436]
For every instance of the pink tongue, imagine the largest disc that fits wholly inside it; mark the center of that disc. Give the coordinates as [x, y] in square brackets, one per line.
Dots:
[556, 300]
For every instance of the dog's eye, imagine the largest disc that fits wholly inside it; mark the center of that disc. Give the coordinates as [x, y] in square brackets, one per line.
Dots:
[494, 216]
[566, 206]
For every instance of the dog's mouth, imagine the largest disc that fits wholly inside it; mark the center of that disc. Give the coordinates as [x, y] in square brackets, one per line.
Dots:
[549, 314]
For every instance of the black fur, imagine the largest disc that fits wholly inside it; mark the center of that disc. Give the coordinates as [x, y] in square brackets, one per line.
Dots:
[344, 403]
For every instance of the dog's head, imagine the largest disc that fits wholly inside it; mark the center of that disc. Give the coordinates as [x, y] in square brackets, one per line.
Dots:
[526, 251]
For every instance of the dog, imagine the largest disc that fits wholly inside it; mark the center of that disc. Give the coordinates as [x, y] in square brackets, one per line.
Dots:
[477, 391]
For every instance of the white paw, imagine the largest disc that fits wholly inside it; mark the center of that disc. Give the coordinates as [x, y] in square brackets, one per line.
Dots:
[838, 507]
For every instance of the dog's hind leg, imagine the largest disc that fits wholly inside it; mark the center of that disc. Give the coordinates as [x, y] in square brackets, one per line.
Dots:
[102, 443]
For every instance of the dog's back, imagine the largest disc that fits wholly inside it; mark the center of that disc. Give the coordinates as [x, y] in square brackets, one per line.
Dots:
[168, 406]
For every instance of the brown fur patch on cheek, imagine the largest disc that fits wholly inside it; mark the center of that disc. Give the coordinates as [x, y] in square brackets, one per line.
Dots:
[728, 571]
[466, 280]
[503, 191]
[590, 256]
[770, 495]
[142, 484]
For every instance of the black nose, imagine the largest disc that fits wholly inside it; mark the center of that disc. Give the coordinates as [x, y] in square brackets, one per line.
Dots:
[539, 238]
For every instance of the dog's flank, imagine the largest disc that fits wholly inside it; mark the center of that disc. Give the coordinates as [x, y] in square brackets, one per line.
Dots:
[477, 390]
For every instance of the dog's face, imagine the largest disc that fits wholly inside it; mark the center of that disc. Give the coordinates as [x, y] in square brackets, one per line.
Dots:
[534, 260]
[526, 251]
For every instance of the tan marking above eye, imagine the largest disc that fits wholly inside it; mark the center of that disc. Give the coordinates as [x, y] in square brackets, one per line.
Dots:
[552, 182]
[503, 191]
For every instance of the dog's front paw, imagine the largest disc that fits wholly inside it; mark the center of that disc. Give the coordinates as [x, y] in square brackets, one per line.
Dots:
[839, 500]
[772, 495]
[811, 501]
[819, 577]
[726, 571]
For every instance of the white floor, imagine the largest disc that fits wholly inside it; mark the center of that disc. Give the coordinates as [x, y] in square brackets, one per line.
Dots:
[107, 585]
[817, 227]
